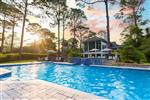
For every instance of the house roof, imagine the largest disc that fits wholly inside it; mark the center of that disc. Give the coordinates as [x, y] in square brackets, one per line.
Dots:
[114, 45]
[94, 38]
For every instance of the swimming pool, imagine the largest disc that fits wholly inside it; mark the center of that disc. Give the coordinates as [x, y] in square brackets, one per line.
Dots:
[112, 83]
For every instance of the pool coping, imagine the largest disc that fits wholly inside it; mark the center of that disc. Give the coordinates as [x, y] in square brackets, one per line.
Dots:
[18, 64]
[67, 63]
[65, 91]
[63, 63]
[108, 66]
[120, 67]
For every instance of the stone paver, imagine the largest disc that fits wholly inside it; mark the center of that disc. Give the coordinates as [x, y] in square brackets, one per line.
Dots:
[41, 90]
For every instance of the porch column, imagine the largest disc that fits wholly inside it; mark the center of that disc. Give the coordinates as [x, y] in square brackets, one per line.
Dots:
[83, 47]
[101, 49]
[95, 50]
[88, 47]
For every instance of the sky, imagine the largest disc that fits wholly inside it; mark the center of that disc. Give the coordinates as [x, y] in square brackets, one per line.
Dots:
[96, 20]
[146, 13]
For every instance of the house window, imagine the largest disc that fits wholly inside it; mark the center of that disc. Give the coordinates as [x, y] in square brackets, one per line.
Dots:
[103, 46]
[98, 45]
[91, 45]
[85, 47]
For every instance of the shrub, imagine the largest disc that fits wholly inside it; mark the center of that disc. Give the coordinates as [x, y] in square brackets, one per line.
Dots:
[74, 53]
[130, 54]
[3, 57]
[16, 56]
[145, 48]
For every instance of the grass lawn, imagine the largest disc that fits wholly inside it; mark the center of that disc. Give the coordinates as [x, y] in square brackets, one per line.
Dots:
[18, 62]
[147, 64]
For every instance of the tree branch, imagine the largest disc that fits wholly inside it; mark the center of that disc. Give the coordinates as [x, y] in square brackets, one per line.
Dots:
[92, 2]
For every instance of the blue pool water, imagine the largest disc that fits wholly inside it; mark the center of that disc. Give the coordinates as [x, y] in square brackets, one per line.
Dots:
[112, 83]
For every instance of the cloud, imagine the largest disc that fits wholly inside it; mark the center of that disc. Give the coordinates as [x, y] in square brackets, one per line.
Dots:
[126, 10]
[94, 25]
[116, 27]
[97, 21]
[90, 11]
[116, 23]
[94, 12]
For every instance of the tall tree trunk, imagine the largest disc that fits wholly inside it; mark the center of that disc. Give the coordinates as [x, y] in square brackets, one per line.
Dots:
[63, 30]
[74, 31]
[108, 27]
[13, 33]
[58, 38]
[63, 38]
[3, 34]
[58, 21]
[134, 17]
[23, 25]
[80, 41]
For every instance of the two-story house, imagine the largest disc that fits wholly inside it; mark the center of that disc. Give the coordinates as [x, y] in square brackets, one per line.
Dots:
[93, 47]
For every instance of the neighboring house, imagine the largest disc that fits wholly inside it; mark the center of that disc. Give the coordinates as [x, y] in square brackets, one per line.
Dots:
[114, 46]
[93, 47]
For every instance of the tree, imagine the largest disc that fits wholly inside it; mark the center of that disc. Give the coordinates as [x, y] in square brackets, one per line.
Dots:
[4, 8]
[91, 34]
[134, 17]
[53, 10]
[76, 18]
[47, 38]
[33, 28]
[3, 32]
[133, 32]
[130, 54]
[65, 22]
[147, 30]
[82, 31]
[8, 11]
[16, 15]
[134, 35]
[145, 47]
[107, 13]
[71, 41]
[23, 25]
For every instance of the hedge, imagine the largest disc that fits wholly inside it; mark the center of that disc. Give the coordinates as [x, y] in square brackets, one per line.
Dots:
[16, 56]
[130, 54]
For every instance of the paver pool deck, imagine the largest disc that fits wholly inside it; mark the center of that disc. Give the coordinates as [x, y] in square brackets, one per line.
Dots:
[41, 90]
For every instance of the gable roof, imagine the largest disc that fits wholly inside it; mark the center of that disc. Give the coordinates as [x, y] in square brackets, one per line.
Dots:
[94, 38]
